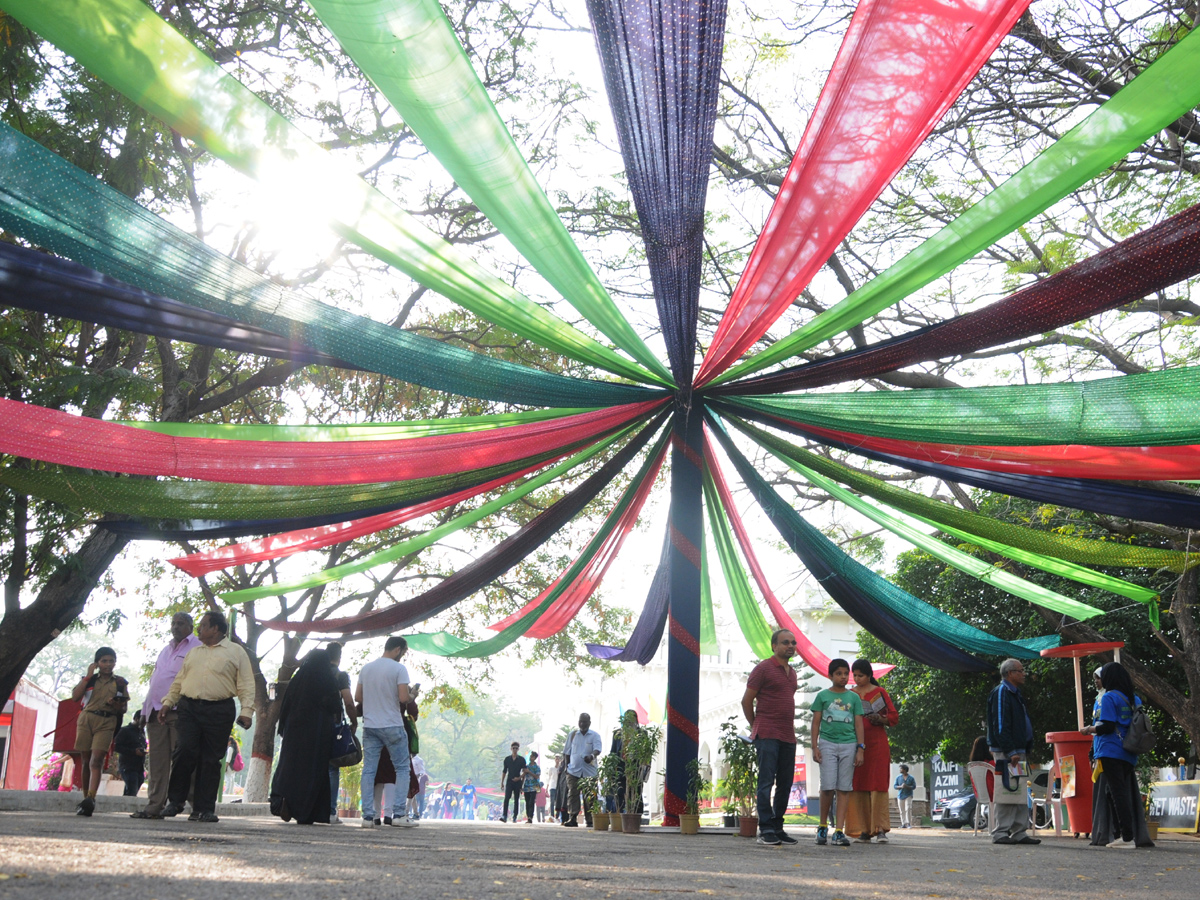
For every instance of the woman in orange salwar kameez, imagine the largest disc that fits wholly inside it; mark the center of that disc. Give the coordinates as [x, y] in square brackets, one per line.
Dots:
[869, 815]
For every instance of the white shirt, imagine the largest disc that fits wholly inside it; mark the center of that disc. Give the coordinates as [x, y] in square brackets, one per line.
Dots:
[579, 746]
[380, 680]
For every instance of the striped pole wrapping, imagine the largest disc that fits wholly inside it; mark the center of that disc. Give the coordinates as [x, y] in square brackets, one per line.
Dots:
[683, 641]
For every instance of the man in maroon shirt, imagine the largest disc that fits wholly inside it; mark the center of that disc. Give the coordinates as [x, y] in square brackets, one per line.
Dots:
[770, 707]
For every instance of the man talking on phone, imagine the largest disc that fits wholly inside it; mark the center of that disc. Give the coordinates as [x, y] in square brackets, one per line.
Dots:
[212, 674]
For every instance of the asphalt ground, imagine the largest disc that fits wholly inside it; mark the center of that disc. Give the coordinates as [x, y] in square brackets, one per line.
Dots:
[52, 856]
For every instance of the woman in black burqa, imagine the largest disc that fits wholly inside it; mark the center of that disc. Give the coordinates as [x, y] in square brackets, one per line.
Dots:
[312, 705]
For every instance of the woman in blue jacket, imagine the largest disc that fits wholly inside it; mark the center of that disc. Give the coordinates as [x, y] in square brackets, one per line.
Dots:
[1116, 763]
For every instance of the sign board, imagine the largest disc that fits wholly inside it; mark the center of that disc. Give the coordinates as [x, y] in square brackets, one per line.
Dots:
[798, 798]
[1176, 805]
[948, 778]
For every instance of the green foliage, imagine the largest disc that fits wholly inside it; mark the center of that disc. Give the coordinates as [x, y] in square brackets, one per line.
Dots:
[697, 785]
[456, 747]
[639, 743]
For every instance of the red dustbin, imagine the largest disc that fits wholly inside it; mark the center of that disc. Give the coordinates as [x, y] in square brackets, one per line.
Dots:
[1071, 753]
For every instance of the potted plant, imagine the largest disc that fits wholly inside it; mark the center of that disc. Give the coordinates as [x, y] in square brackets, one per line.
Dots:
[590, 798]
[609, 778]
[742, 780]
[689, 821]
[639, 743]
[729, 817]
[1146, 775]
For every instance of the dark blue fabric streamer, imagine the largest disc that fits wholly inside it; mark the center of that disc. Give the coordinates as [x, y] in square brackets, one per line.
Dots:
[897, 634]
[212, 529]
[662, 61]
[58, 287]
[1107, 498]
[647, 633]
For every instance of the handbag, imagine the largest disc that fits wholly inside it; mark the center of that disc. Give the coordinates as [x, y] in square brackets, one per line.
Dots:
[347, 750]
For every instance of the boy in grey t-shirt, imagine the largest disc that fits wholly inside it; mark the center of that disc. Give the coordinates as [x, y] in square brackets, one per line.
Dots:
[382, 690]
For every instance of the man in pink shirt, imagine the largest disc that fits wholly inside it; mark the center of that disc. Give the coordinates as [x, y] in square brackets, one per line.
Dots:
[162, 735]
[770, 707]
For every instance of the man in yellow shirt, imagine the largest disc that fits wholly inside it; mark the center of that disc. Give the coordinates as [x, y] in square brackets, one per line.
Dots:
[211, 676]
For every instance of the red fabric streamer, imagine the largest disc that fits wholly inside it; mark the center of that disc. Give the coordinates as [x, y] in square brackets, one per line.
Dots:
[57, 437]
[567, 606]
[289, 543]
[901, 65]
[1179, 463]
[813, 657]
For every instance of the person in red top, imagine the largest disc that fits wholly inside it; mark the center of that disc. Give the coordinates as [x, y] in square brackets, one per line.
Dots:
[770, 707]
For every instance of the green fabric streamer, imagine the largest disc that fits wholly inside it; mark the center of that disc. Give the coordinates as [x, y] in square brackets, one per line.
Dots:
[1154, 99]
[60, 207]
[129, 46]
[749, 614]
[366, 431]
[175, 500]
[421, 541]
[410, 52]
[1048, 544]
[443, 643]
[708, 622]
[900, 604]
[1154, 409]
[964, 562]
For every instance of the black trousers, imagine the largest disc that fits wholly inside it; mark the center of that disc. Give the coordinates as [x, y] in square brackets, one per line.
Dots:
[512, 789]
[530, 796]
[203, 730]
[133, 778]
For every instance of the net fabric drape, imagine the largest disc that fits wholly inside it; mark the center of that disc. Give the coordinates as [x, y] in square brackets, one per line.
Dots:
[661, 61]
[419, 542]
[289, 543]
[127, 45]
[410, 52]
[53, 436]
[58, 287]
[834, 568]
[652, 621]
[901, 65]
[1137, 267]
[1108, 498]
[1152, 409]
[56, 205]
[1159, 95]
[593, 562]
[1048, 544]
[487, 567]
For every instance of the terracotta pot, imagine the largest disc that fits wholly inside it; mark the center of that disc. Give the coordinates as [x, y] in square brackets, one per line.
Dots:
[1152, 828]
[689, 824]
[747, 826]
[616, 822]
[631, 823]
[600, 821]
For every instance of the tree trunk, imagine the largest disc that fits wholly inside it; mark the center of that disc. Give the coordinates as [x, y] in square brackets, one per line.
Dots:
[24, 632]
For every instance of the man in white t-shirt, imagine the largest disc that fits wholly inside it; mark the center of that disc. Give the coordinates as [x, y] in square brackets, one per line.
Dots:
[381, 693]
[583, 747]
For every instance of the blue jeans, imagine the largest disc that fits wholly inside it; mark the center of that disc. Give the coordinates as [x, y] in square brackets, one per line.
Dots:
[776, 767]
[373, 741]
[335, 783]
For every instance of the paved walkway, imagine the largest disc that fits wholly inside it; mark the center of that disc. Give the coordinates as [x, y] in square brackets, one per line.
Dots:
[51, 855]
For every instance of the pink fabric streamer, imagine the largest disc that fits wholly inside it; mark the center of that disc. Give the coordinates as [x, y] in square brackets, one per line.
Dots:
[568, 605]
[1178, 463]
[289, 543]
[57, 437]
[901, 65]
[814, 658]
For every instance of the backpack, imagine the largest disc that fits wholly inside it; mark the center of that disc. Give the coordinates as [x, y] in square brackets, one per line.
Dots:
[1140, 738]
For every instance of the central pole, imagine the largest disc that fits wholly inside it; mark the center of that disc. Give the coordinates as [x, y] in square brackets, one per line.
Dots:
[683, 632]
